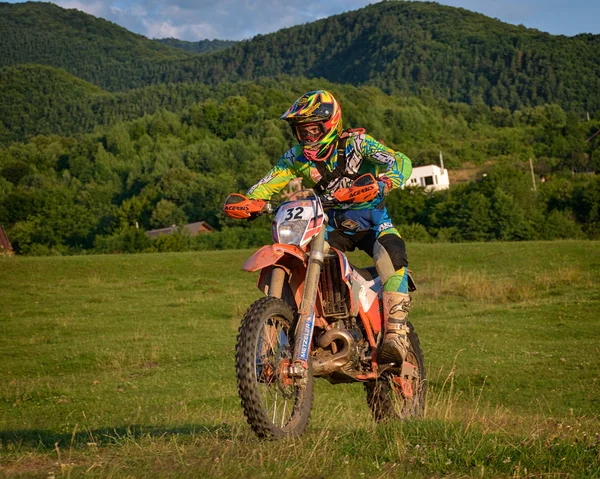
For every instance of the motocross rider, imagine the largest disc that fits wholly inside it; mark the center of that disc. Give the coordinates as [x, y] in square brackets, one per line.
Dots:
[328, 158]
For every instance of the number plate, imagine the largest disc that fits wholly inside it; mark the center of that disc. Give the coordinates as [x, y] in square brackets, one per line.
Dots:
[298, 212]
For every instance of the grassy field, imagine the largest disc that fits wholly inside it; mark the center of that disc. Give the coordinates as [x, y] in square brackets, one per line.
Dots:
[122, 366]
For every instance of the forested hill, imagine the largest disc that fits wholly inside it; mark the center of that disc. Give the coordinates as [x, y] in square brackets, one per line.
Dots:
[89, 47]
[405, 46]
[36, 99]
[64, 194]
[203, 46]
[398, 46]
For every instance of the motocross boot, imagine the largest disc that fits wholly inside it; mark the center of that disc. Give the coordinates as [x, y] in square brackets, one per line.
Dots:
[395, 342]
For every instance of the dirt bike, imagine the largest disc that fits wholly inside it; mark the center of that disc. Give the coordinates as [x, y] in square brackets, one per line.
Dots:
[320, 317]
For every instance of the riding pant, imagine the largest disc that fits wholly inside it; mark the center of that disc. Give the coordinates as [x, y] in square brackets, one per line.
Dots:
[372, 231]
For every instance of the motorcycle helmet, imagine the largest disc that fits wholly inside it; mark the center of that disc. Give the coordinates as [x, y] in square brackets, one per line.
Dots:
[316, 121]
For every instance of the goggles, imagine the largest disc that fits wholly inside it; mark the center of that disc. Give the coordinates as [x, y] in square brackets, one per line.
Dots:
[309, 134]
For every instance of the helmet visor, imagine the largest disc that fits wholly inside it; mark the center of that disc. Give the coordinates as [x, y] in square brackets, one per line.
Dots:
[309, 134]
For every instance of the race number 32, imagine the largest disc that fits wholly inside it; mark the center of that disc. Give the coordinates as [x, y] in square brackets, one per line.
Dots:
[294, 213]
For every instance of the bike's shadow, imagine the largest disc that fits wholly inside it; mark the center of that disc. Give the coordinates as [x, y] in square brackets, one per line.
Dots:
[102, 437]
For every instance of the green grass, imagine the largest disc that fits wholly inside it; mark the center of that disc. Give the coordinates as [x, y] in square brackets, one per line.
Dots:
[122, 366]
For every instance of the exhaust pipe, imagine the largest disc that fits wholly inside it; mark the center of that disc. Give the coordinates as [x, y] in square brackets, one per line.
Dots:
[334, 362]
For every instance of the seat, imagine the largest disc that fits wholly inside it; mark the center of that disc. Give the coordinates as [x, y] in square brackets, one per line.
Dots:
[369, 273]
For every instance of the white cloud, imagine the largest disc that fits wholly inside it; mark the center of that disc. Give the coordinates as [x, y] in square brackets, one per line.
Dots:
[240, 19]
[158, 29]
[166, 29]
[96, 8]
[200, 19]
[203, 30]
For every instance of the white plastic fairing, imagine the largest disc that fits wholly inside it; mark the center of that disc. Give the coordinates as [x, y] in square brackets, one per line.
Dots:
[296, 222]
[368, 290]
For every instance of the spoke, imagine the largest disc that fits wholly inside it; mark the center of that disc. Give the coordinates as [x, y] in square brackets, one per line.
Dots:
[275, 407]
[270, 338]
[272, 346]
[283, 415]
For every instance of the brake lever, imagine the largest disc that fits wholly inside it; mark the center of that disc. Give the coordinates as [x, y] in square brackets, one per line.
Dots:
[268, 208]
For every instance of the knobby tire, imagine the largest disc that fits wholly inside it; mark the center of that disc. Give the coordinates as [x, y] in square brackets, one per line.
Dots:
[256, 362]
[384, 397]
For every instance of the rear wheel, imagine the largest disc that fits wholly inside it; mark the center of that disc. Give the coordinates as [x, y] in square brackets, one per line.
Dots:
[274, 404]
[400, 396]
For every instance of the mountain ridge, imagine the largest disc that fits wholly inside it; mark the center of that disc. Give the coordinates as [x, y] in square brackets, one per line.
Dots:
[201, 46]
[400, 47]
[89, 47]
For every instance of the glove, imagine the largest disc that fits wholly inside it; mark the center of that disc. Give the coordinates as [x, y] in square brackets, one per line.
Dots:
[385, 185]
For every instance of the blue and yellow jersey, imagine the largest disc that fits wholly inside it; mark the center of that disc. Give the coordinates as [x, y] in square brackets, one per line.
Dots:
[364, 155]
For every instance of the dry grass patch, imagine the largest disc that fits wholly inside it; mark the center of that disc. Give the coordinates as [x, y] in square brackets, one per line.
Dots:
[479, 286]
[474, 286]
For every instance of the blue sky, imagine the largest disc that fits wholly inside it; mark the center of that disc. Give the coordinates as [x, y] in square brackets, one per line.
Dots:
[240, 19]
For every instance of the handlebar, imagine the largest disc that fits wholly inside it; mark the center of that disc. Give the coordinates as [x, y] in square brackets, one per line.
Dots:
[364, 188]
[327, 203]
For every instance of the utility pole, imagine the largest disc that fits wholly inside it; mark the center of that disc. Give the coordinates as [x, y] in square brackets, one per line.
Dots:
[532, 175]
[594, 144]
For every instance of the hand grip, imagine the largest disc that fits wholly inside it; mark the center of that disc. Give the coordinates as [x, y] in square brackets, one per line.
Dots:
[239, 207]
[364, 188]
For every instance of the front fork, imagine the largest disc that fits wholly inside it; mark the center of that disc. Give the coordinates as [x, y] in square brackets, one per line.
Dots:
[306, 321]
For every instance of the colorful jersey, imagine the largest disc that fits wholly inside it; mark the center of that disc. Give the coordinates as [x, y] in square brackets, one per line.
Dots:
[364, 155]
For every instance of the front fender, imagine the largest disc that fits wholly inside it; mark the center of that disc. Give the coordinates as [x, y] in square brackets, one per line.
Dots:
[289, 257]
[270, 254]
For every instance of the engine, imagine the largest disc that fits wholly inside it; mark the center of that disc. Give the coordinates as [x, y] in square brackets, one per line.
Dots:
[334, 293]
[342, 354]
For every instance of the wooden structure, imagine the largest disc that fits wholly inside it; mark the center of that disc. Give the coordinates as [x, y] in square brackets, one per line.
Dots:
[5, 246]
[192, 229]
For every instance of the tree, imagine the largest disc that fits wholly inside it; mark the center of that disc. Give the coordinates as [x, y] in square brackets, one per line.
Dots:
[167, 213]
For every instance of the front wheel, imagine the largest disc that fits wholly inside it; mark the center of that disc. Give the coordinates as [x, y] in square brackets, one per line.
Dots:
[275, 406]
[400, 396]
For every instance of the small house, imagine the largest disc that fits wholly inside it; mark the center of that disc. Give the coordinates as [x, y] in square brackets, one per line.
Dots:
[192, 229]
[430, 177]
